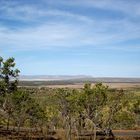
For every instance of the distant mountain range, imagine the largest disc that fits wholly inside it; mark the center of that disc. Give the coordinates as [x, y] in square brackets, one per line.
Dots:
[51, 77]
[75, 78]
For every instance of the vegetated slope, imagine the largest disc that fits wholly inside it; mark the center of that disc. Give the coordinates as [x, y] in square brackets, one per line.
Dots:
[70, 80]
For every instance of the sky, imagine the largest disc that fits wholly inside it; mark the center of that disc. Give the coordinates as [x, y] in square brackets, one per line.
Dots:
[100, 38]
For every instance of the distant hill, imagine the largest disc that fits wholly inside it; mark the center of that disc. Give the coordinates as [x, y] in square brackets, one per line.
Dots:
[51, 77]
[77, 78]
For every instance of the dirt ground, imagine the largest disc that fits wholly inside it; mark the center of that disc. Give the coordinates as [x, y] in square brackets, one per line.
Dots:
[24, 135]
[111, 85]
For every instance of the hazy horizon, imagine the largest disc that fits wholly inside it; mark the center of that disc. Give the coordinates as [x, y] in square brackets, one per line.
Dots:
[100, 38]
[73, 76]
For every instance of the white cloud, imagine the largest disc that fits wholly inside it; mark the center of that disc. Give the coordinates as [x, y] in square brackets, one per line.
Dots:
[78, 31]
[130, 7]
[66, 35]
[30, 13]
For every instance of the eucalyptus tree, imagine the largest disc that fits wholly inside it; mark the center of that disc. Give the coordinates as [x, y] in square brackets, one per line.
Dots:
[67, 108]
[8, 85]
[113, 106]
[20, 102]
[136, 110]
[8, 75]
[93, 100]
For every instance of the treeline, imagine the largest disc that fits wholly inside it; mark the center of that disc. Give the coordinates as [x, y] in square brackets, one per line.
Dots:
[72, 110]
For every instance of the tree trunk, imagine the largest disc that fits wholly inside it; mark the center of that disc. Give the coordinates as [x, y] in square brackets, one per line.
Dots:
[18, 129]
[70, 128]
[94, 138]
[8, 122]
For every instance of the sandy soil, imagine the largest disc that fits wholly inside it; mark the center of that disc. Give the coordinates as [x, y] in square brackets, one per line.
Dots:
[111, 85]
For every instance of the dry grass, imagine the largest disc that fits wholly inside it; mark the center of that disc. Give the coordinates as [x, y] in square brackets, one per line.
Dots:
[111, 85]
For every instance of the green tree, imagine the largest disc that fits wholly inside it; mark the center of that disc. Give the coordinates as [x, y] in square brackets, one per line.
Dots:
[93, 100]
[9, 75]
[8, 85]
[20, 102]
[67, 108]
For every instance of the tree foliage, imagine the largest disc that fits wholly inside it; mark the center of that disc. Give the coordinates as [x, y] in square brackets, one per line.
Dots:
[94, 107]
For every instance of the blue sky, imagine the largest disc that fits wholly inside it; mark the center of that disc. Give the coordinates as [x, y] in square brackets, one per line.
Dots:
[72, 37]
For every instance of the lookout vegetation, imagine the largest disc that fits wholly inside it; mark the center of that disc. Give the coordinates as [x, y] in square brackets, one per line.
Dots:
[94, 110]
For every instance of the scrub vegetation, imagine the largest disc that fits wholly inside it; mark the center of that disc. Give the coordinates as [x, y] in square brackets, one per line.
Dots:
[64, 112]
